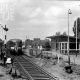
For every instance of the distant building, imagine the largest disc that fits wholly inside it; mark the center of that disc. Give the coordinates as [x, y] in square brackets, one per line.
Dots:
[1, 44]
[28, 42]
[36, 42]
[36, 39]
[60, 43]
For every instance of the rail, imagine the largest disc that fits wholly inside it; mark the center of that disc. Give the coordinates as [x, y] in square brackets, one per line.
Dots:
[30, 70]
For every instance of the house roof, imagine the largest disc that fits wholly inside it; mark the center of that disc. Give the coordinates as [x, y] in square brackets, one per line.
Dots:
[55, 36]
[15, 40]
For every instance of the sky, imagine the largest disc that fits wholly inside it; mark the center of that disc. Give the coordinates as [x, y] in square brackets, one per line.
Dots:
[37, 18]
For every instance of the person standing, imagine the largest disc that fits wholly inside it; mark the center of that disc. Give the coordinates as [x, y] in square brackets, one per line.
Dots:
[11, 69]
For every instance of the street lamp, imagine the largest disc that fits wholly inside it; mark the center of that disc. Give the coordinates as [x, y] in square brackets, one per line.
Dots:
[76, 38]
[69, 12]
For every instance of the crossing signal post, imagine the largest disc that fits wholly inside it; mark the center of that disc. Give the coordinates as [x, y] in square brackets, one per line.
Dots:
[5, 29]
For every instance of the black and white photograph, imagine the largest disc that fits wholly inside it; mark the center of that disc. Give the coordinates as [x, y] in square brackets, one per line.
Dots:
[39, 40]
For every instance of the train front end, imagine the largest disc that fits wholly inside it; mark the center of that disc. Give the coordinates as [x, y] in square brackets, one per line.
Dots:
[15, 46]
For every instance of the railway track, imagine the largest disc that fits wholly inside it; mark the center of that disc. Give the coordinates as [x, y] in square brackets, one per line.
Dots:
[30, 71]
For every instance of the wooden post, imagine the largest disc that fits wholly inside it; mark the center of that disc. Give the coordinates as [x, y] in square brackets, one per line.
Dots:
[64, 48]
[61, 47]
[58, 58]
[74, 60]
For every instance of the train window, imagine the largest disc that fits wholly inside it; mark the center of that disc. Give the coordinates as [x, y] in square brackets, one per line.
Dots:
[20, 44]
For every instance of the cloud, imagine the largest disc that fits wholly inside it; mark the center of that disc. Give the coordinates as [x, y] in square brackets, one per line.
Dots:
[39, 17]
[53, 11]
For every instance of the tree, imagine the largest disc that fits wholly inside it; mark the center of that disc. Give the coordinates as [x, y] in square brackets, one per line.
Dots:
[78, 27]
[47, 45]
[64, 33]
[58, 34]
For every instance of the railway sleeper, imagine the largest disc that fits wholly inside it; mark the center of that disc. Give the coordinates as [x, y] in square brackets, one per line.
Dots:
[39, 78]
[30, 67]
[39, 75]
[33, 69]
[33, 72]
[27, 65]
[24, 62]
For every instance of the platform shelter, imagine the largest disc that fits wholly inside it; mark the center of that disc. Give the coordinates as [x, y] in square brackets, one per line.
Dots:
[60, 43]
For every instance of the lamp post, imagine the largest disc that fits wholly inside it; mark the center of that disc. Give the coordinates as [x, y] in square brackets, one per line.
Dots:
[69, 12]
[76, 38]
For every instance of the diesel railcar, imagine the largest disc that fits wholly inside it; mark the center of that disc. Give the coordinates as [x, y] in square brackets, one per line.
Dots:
[15, 46]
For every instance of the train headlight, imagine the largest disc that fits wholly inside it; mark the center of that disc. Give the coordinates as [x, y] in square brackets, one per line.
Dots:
[12, 47]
